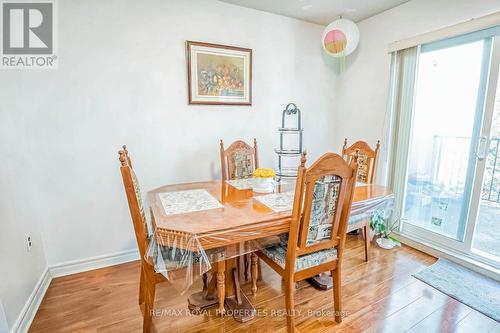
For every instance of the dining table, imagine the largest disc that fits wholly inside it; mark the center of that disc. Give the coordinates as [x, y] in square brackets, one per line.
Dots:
[206, 227]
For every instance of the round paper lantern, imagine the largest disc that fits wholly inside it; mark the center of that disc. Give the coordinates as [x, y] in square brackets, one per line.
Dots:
[340, 38]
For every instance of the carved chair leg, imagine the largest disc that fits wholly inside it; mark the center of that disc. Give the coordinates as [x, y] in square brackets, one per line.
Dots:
[337, 296]
[366, 231]
[221, 285]
[150, 291]
[141, 286]
[290, 303]
[254, 272]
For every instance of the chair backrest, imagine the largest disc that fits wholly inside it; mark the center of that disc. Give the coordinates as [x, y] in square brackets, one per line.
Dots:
[239, 160]
[367, 159]
[322, 203]
[133, 191]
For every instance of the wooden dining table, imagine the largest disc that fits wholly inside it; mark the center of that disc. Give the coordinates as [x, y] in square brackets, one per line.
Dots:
[234, 225]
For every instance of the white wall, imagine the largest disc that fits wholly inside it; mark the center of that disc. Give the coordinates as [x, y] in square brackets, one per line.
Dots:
[362, 90]
[20, 270]
[122, 79]
[4, 328]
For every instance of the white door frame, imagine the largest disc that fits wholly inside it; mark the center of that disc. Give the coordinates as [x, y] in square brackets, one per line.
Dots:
[494, 72]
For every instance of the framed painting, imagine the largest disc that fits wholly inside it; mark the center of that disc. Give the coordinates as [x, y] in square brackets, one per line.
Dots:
[219, 74]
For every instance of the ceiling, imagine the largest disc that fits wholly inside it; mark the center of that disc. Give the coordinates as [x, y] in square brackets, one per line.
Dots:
[321, 11]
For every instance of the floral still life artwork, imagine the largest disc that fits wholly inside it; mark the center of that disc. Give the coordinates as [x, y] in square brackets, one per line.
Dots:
[219, 74]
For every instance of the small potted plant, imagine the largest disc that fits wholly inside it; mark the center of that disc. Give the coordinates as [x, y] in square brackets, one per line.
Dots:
[265, 180]
[383, 228]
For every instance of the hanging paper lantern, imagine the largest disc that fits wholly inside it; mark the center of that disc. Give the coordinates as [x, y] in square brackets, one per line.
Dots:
[340, 38]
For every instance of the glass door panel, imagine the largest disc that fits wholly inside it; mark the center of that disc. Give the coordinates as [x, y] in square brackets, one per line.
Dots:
[441, 163]
[487, 232]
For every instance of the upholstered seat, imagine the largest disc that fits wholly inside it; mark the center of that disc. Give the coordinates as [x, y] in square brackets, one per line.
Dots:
[167, 258]
[149, 278]
[156, 260]
[239, 161]
[323, 208]
[367, 159]
[318, 227]
[278, 254]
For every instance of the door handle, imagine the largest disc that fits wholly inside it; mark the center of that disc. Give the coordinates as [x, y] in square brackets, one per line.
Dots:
[482, 142]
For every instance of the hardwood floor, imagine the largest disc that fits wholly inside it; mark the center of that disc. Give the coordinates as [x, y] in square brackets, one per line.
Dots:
[380, 296]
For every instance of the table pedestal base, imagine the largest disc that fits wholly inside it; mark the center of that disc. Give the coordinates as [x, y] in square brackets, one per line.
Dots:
[242, 311]
[199, 301]
[322, 281]
[240, 307]
[236, 302]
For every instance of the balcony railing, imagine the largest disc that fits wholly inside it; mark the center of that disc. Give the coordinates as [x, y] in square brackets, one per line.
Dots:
[491, 185]
[449, 154]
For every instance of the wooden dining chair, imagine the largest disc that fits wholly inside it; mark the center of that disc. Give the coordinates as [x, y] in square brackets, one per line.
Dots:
[367, 161]
[149, 278]
[315, 243]
[239, 161]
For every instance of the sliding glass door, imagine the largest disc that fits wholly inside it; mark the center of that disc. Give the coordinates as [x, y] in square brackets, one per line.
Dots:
[452, 164]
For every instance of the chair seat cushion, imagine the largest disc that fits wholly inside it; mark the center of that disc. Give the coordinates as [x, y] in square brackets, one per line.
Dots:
[356, 219]
[166, 258]
[278, 254]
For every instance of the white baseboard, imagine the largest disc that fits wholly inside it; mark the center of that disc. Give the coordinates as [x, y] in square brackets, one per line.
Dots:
[29, 310]
[88, 264]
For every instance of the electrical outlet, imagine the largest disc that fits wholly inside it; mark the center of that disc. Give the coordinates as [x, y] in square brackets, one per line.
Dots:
[29, 243]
